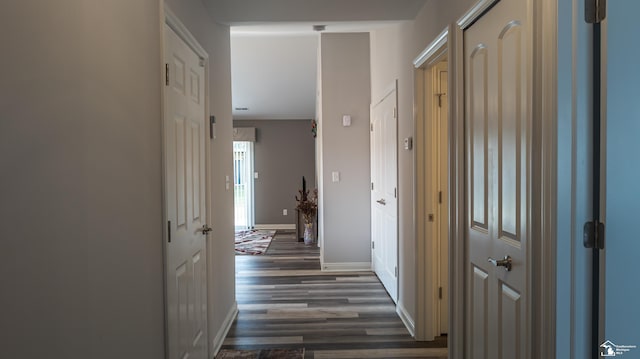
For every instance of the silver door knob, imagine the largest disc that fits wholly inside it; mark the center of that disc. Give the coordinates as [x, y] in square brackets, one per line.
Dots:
[205, 229]
[382, 201]
[505, 262]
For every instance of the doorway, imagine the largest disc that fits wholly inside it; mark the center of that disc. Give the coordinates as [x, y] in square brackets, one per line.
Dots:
[432, 189]
[243, 198]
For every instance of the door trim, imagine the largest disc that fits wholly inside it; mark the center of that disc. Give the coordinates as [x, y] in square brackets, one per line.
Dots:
[545, 16]
[170, 19]
[427, 263]
[542, 251]
[431, 54]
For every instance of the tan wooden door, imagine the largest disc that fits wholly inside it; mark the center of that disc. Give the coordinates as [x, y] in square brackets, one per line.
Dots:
[497, 85]
[184, 131]
[442, 179]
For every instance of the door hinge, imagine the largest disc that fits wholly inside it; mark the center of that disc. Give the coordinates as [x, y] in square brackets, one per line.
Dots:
[439, 196]
[396, 271]
[439, 292]
[595, 11]
[169, 231]
[372, 186]
[395, 192]
[371, 126]
[593, 235]
[395, 112]
[166, 74]
[373, 245]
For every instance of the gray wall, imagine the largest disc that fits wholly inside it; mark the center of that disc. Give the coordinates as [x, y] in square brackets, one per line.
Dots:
[284, 152]
[80, 186]
[346, 89]
[80, 189]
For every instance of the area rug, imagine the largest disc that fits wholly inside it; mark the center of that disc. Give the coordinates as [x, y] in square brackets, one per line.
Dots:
[253, 241]
[261, 354]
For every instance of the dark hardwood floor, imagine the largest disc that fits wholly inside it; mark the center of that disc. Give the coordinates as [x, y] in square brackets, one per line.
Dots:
[286, 301]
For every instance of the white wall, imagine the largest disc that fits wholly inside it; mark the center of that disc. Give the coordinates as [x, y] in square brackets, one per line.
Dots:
[80, 185]
[214, 38]
[345, 205]
[274, 75]
[392, 52]
[80, 180]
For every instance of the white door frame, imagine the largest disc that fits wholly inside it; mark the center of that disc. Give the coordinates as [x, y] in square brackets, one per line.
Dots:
[171, 20]
[427, 258]
[542, 251]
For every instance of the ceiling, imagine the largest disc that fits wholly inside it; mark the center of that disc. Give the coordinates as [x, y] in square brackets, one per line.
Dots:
[274, 48]
[234, 12]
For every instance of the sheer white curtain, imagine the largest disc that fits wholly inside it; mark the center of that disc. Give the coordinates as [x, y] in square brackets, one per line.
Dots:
[243, 184]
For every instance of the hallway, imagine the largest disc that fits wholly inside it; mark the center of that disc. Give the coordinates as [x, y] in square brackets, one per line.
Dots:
[285, 301]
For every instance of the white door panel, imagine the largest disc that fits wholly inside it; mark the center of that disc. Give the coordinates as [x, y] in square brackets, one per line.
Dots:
[185, 189]
[384, 207]
[498, 121]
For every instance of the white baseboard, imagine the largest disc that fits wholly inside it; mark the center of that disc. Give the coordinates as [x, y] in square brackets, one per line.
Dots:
[274, 226]
[346, 267]
[224, 329]
[406, 319]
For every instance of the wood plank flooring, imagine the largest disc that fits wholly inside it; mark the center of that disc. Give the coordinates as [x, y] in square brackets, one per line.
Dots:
[286, 301]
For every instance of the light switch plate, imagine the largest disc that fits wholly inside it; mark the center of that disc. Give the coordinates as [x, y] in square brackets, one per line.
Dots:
[335, 176]
[346, 120]
[255, 175]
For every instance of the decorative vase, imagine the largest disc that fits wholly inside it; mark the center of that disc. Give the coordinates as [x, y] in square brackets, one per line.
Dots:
[308, 233]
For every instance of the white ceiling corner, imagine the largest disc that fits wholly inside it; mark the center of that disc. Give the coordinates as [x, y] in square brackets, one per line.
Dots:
[274, 48]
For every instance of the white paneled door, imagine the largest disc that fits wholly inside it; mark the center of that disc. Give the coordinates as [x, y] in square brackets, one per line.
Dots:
[186, 265]
[384, 182]
[497, 88]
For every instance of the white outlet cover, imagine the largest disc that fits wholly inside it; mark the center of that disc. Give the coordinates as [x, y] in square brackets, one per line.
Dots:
[255, 175]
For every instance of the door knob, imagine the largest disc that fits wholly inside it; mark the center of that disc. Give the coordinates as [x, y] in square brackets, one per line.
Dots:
[382, 201]
[205, 229]
[505, 262]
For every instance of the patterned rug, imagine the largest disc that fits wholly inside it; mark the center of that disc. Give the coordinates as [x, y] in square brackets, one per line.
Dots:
[253, 241]
[261, 354]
